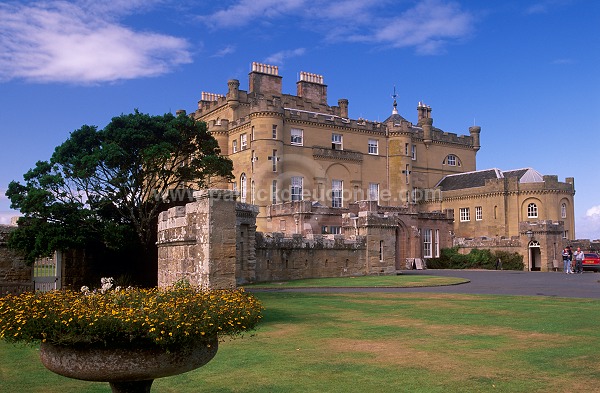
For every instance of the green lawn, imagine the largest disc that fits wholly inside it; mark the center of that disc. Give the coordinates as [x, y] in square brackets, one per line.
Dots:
[398, 281]
[383, 342]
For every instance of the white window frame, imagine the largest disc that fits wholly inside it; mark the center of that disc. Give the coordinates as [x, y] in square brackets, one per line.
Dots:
[414, 152]
[243, 189]
[297, 136]
[274, 192]
[478, 213]
[274, 131]
[532, 210]
[563, 210]
[427, 243]
[451, 160]
[337, 192]
[274, 159]
[381, 250]
[465, 214]
[374, 192]
[373, 147]
[296, 188]
[436, 244]
[234, 146]
[243, 142]
[337, 141]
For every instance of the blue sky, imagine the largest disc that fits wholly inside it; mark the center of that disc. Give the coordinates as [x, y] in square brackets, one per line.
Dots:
[525, 71]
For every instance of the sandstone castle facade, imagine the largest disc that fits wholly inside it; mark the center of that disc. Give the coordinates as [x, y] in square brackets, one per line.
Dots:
[310, 170]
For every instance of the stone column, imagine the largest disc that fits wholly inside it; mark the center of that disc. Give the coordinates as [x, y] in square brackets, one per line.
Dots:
[216, 237]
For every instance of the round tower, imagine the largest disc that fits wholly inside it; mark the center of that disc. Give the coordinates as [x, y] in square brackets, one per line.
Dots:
[233, 93]
[475, 131]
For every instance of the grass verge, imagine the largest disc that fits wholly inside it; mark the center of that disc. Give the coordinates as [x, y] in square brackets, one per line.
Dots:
[388, 342]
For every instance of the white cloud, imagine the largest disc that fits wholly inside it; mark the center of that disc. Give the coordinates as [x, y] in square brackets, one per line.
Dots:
[588, 227]
[81, 42]
[279, 57]
[229, 49]
[246, 11]
[427, 26]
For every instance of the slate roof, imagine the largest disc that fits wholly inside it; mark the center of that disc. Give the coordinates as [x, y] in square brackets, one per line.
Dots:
[461, 181]
[395, 119]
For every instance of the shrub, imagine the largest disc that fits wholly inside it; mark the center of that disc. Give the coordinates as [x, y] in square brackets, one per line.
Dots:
[450, 258]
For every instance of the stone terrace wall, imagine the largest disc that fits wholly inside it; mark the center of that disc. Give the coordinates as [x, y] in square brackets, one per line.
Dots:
[291, 258]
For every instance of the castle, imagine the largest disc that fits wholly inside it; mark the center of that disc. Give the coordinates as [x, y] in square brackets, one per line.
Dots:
[310, 171]
[318, 194]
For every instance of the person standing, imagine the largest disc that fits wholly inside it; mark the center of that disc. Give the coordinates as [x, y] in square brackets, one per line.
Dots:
[566, 261]
[579, 260]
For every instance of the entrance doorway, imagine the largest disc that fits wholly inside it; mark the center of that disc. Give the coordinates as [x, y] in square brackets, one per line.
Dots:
[535, 256]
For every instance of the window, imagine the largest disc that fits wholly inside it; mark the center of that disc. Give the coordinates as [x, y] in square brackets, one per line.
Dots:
[336, 142]
[465, 214]
[297, 136]
[252, 159]
[337, 188]
[406, 149]
[274, 131]
[373, 146]
[563, 210]
[274, 192]
[478, 213]
[296, 190]
[414, 152]
[427, 243]
[381, 250]
[436, 244]
[243, 141]
[406, 173]
[532, 211]
[274, 159]
[374, 192]
[451, 160]
[234, 146]
[252, 134]
[234, 186]
[335, 230]
[243, 187]
[252, 192]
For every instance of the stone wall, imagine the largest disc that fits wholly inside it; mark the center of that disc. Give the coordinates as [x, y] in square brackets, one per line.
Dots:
[291, 258]
[213, 242]
[15, 275]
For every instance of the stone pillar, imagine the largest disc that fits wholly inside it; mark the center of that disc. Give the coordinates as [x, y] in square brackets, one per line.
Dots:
[199, 244]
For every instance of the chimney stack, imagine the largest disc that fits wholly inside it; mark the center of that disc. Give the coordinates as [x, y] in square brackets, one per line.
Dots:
[311, 87]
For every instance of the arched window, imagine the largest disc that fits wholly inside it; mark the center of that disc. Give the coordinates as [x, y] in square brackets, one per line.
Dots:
[563, 210]
[532, 211]
[243, 187]
[451, 160]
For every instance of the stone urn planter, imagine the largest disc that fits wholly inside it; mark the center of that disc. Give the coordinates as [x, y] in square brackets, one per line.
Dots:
[128, 370]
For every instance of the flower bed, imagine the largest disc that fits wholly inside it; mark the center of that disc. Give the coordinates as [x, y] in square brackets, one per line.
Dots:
[164, 318]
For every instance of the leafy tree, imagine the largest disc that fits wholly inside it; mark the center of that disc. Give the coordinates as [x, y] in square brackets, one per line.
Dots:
[104, 188]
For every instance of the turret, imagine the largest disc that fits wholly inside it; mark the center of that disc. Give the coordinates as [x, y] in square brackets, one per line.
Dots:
[425, 121]
[233, 93]
[475, 131]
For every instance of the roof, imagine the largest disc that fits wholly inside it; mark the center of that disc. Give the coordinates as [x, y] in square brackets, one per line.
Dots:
[461, 181]
[395, 118]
